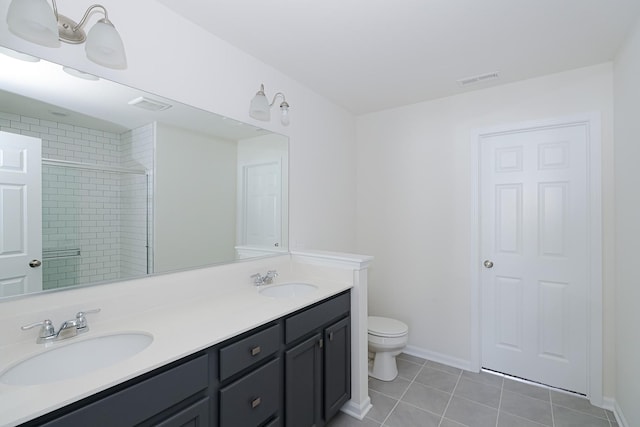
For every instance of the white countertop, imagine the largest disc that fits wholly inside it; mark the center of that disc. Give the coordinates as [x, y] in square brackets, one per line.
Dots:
[180, 327]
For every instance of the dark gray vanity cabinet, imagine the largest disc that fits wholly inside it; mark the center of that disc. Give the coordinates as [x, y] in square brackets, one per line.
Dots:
[172, 397]
[317, 362]
[294, 371]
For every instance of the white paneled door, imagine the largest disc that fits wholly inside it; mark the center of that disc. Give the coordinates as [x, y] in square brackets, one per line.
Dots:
[20, 214]
[534, 246]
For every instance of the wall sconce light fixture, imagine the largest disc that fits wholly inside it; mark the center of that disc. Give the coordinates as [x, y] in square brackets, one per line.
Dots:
[260, 108]
[35, 21]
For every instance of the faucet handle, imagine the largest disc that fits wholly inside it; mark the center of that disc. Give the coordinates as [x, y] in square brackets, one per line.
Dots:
[271, 274]
[46, 331]
[81, 320]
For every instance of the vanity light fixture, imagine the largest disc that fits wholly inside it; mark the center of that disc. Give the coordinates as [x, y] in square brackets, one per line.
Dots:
[260, 108]
[35, 21]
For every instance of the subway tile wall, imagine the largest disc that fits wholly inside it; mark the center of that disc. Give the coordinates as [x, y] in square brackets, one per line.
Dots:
[102, 214]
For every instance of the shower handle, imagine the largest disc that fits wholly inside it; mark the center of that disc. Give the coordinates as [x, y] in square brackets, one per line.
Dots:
[35, 263]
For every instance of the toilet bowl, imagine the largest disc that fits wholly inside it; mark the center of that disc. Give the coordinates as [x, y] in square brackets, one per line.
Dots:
[387, 338]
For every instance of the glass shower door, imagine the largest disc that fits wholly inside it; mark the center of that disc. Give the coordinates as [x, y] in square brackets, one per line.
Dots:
[95, 224]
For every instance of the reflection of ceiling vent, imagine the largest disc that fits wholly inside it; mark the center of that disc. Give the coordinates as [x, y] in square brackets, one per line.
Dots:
[478, 79]
[149, 104]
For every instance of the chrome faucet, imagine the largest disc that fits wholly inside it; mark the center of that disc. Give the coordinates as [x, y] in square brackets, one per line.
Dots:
[68, 329]
[259, 279]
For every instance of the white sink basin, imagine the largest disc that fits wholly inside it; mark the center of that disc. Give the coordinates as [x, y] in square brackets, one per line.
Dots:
[288, 290]
[75, 358]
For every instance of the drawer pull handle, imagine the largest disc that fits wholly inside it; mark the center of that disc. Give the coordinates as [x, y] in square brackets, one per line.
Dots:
[256, 351]
[256, 402]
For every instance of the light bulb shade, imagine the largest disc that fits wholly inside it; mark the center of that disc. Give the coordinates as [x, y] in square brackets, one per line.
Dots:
[284, 114]
[104, 46]
[34, 21]
[259, 108]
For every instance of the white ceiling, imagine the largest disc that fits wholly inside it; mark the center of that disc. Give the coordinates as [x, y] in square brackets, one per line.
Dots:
[369, 55]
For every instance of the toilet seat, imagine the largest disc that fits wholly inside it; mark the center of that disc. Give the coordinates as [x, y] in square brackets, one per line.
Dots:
[385, 327]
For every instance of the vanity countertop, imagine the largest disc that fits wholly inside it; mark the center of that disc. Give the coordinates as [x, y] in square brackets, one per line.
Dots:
[179, 328]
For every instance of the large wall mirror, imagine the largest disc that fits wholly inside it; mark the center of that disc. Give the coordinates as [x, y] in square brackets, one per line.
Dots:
[103, 182]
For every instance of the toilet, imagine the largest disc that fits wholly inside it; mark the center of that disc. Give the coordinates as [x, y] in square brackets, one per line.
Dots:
[387, 338]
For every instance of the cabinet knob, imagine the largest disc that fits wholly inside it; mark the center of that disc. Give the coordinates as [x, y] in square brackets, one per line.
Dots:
[256, 350]
[256, 402]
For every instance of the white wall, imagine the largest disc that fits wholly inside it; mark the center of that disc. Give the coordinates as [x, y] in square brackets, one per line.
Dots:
[627, 177]
[414, 200]
[194, 193]
[170, 56]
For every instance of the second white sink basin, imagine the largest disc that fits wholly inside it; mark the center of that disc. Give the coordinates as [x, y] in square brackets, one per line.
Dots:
[288, 290]
[75, 358]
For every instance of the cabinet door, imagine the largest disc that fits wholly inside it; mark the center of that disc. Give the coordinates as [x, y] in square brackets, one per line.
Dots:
[337, 366]
[196, 415]
[303, 383]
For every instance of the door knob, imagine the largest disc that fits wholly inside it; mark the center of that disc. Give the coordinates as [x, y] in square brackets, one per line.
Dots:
[35, 263]
[488, 264]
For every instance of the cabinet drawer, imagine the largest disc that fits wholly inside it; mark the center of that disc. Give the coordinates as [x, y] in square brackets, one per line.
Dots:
[303, 323]
[244, 353]
[252, 399]
[141, 401]
[194, 415]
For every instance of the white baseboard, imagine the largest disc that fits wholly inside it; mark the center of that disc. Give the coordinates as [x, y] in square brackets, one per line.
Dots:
[617, 411]
[438, 357]
[357, 410]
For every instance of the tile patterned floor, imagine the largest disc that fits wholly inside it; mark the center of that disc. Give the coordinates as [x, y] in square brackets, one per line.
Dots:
[429, 394]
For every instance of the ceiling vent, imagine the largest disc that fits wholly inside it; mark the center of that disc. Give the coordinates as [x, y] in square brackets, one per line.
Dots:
[478, 79]
[149, 104]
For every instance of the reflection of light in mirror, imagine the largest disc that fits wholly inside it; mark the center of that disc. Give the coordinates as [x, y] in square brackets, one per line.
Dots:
[79, 74]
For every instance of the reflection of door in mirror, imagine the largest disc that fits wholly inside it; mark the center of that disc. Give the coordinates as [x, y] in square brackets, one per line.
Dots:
[261, 202]
[261, 185]
[20, 214]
